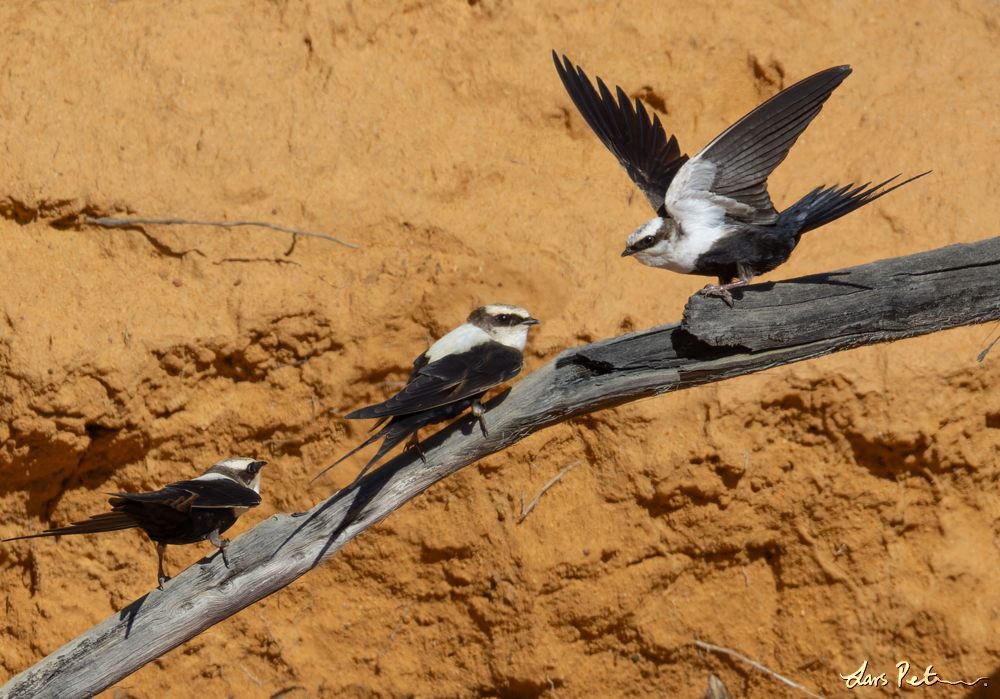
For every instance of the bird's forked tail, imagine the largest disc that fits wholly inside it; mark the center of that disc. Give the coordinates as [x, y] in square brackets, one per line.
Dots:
[823, 205]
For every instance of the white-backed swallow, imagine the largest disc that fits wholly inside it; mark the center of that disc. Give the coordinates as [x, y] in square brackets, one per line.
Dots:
[452, 375]
[184, 512]
[714, 214]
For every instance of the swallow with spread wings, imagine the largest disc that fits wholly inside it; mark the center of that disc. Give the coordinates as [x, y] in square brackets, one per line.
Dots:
[714, 214]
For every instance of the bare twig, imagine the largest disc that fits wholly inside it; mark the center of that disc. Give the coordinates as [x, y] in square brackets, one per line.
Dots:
[524, 512]
[392, 636]
[982, 355]
[276, 260]
[122, 222]
[748, 661]
[243, 667]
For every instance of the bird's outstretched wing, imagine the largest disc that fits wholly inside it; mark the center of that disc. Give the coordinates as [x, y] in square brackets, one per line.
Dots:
[450, 379]
[199, 494]
[729, 176]
[640, 144]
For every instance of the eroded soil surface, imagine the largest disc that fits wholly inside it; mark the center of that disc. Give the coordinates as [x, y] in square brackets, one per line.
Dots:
[810, 518]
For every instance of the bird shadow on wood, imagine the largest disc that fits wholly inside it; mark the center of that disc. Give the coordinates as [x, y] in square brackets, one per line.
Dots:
[822, 279]
[129, 613]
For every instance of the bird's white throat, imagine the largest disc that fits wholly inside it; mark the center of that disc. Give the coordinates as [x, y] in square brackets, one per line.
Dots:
[680, 251]
[516, 336]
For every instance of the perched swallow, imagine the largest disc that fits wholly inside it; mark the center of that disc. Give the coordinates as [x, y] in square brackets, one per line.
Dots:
[184, 512]
[714, 215]
[452, 375]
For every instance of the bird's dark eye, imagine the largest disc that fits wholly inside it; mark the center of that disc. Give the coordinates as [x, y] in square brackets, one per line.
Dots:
[647, 241]
[256, 466]
[505, 319]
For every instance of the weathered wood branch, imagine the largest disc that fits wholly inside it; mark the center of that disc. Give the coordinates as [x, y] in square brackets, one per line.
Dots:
[771, 324]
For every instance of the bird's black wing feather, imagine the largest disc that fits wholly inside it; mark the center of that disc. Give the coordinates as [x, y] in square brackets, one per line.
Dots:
[436, 391]
[747, 152]
[398, 429]
[450, 379]
[640, 145]
[208, 494]
[418, 364]
[106, 522]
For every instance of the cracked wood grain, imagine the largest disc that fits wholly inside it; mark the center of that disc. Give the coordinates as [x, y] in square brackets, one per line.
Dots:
[771, 325]
[901, 297]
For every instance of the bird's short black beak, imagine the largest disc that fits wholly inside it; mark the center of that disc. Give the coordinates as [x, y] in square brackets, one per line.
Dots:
[629, 251]
[532, 321]
[256, 466]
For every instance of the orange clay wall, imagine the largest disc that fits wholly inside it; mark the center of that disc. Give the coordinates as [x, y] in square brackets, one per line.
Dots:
[810, 518]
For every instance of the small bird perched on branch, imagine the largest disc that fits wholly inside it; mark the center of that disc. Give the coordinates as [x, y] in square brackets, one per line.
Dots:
[714, 215]
[452, 375]
[184, 512]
